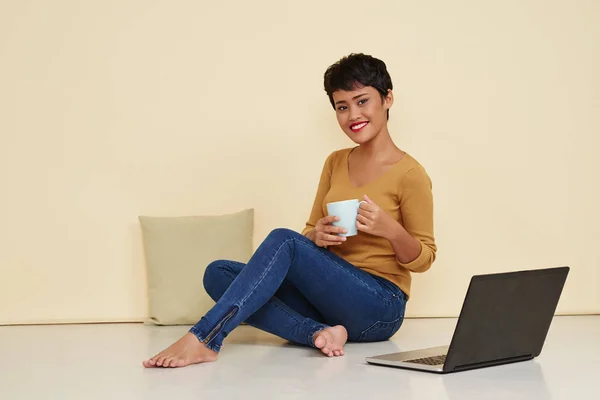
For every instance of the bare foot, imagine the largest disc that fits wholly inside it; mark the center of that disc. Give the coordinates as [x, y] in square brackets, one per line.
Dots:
[331, 340]
[187, 350]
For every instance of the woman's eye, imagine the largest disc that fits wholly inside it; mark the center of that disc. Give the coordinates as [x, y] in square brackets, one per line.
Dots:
[342, 108]
[363, 101]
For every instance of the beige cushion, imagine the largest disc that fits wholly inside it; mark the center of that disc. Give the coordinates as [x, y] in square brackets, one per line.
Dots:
[178, 250]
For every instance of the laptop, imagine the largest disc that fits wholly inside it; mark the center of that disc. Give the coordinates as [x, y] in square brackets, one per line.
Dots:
[505, 318]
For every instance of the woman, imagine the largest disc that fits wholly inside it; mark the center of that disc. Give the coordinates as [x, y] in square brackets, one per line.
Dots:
[319, 288]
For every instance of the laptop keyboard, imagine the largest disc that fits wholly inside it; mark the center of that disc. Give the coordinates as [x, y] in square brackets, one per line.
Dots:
[435, 360]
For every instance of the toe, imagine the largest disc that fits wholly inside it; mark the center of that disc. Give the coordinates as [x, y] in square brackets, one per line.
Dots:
[336, 353]
[160, 361]
[320, 342]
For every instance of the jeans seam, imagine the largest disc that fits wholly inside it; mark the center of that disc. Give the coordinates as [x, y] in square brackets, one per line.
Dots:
[339, 266]
[265, 272]
[285, 307]
[279, 304]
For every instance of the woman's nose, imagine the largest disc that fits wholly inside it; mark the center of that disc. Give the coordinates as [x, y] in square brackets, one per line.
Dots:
[354, 114]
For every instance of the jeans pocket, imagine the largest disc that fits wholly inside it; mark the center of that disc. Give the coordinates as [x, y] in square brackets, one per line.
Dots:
[381, 330]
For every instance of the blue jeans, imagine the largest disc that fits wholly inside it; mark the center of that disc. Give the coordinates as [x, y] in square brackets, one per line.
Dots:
[292, 288]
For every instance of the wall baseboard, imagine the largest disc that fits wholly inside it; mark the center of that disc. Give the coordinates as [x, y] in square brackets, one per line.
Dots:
[141, 320]
[71, 322]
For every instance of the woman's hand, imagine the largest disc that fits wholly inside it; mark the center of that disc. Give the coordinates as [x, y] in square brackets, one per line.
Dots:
[372, 219]
[325, 234]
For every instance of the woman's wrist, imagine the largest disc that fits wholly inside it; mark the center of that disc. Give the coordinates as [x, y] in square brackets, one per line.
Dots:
[396, 232]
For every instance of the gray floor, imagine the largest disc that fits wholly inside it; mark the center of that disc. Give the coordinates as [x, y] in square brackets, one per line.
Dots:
[104, 361]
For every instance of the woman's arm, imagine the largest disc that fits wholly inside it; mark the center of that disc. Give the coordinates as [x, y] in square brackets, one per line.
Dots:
[406, 247]
[413, 239]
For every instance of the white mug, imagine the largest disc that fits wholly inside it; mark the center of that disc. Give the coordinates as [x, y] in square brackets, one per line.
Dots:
[347, 210]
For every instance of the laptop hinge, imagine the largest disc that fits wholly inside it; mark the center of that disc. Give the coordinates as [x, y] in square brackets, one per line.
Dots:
[493, 362]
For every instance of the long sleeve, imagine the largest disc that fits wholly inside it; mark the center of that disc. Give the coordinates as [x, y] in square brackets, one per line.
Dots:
[416, 209]
[324, 184]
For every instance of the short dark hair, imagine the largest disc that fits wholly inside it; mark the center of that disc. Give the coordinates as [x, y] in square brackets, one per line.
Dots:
[357, 70]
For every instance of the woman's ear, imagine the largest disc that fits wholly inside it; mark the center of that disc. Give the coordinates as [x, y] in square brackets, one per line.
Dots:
[388, 100]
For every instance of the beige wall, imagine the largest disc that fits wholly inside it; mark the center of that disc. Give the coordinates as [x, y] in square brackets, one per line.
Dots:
[112, 109]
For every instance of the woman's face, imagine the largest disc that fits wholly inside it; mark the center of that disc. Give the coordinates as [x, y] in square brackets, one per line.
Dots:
[361, 113]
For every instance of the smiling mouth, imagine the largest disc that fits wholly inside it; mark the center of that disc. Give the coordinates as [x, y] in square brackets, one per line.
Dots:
[357, 127]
